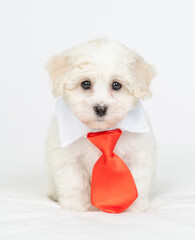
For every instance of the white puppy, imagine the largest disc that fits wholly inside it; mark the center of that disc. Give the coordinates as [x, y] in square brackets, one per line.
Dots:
[101, 81]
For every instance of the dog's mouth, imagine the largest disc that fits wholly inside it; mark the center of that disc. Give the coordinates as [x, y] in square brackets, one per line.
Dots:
[100, 119]
[97, 122]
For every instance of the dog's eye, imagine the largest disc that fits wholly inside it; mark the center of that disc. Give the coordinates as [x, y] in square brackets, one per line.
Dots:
[116, 85]
[86, 85]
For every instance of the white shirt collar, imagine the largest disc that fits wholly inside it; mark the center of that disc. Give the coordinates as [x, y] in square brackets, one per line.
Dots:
[71, 128]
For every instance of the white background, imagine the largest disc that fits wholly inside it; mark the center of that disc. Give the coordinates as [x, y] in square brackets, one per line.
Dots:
[31, 31]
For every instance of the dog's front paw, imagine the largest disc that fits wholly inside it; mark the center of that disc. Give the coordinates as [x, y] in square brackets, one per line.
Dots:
[76, 206]
[140, 205]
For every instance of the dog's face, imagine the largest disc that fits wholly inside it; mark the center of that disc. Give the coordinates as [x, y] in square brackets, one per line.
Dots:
[101, 80]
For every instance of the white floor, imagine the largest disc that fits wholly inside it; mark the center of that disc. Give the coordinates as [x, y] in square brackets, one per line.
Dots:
[26, 212]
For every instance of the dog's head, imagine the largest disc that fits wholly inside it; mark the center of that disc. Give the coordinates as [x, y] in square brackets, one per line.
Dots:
[101, 80]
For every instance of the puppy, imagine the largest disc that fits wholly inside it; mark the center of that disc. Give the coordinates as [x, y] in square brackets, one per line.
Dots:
[101, 81]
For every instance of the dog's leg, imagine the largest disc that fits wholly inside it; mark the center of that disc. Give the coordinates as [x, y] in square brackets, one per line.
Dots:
[69, 180]
[142, 172]
[73, 187]
[143, 176]
[142, 169]
[72, 181]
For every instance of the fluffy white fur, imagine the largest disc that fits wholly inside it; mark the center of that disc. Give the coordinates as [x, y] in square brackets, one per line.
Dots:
[101, 61]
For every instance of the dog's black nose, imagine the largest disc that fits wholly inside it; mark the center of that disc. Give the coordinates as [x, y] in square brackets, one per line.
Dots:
[100, 110]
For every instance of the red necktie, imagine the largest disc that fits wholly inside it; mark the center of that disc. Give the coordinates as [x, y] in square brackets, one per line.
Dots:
[112, 186]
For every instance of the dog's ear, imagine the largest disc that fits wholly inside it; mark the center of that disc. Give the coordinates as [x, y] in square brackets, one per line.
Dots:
[58, 67]
[143, 73]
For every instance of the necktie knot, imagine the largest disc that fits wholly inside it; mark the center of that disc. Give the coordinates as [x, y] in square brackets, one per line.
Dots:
[105, 140]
